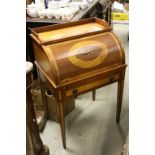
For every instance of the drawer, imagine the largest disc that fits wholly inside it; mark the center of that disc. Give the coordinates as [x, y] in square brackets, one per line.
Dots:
[90, 86]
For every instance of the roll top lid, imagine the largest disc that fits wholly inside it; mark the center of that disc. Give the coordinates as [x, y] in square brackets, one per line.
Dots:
[79, 49]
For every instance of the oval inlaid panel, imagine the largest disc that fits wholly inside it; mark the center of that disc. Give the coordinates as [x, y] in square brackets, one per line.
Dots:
[87, 54]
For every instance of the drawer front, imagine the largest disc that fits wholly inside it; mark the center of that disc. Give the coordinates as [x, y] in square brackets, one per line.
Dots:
[90, 86]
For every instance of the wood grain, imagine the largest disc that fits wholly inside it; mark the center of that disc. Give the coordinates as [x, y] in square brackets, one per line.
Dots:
[78, 57]
[70, 31]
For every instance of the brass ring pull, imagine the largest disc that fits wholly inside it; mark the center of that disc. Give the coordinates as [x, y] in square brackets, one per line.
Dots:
[111, 79]
[75, 91]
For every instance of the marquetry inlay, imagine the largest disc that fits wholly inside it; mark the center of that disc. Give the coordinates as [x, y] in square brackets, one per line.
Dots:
[87, 49]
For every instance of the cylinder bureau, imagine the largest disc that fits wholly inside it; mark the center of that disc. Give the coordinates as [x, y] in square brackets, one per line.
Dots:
[78, 57]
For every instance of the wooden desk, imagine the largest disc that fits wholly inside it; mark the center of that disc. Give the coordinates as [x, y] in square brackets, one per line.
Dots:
[78, 57]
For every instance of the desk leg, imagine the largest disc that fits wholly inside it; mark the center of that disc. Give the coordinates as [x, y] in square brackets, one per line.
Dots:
[119, 99]
[61, 119]
[94, 95]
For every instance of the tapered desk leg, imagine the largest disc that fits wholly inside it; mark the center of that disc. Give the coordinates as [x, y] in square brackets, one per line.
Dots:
[62, 120]
[119, 99]
[94, 95]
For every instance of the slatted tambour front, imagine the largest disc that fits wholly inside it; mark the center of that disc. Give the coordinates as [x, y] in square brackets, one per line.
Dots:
[84, 55]
[77, 57]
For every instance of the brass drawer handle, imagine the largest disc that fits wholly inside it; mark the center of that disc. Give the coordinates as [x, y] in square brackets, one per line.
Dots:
[111, 79]
[75, 91]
